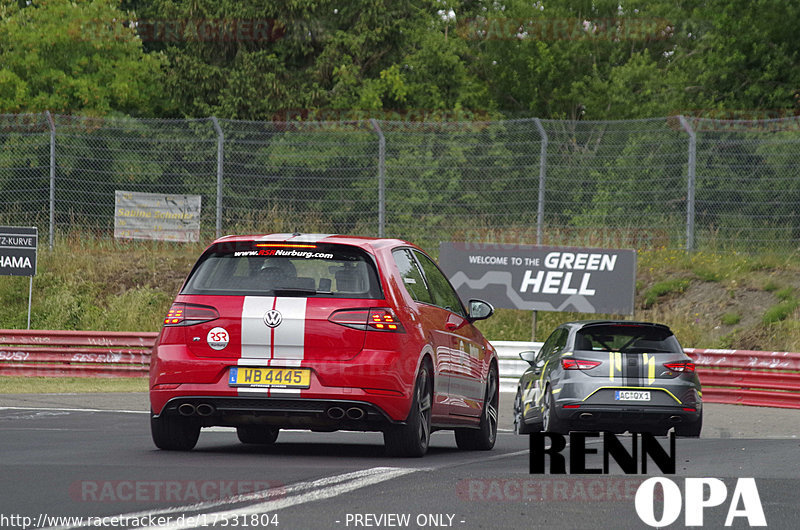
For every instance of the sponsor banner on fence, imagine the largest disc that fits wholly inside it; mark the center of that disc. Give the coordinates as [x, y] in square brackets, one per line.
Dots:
[156, 216]
[585, 280]
[18, 250]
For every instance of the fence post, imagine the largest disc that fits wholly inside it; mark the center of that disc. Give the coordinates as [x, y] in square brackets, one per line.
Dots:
[542, 175]
[220, 159]
[52, 124]
[691, 182]
[381, 177]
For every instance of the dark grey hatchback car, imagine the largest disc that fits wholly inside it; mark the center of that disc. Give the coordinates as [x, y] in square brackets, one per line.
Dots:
[609, 376]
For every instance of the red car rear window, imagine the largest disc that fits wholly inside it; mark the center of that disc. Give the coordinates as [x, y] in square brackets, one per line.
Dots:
[257, 268]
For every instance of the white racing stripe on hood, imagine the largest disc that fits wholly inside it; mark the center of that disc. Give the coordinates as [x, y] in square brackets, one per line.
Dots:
[309, 238]
[282, 346]
[285, 341]
[291, 238]
[256, 336]
[290, 335]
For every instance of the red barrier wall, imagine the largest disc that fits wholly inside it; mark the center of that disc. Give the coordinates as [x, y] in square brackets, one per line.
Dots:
[75, 353]
[761, 378]
[745, 377]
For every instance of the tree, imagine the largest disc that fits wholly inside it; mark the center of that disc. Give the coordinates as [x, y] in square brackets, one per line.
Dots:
[744, 58]
[317, 56]
[76, 57]
[574, 60]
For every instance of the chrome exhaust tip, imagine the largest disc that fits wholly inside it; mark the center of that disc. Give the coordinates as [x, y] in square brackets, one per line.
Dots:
[204, 409]
[675, 419]
[355, 413]
[336, 413]
[186, 409]
[585, 415]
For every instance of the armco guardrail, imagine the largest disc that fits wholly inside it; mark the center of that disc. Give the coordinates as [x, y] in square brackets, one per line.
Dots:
[75, 353]
[744, 377]
[510, 365]
[121, 354]
[761, 378]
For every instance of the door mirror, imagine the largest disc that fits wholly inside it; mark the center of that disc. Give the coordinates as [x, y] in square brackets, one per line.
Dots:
[528, 356]
[479, 310]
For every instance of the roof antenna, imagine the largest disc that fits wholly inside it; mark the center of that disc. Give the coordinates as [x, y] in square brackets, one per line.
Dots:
[296, 233]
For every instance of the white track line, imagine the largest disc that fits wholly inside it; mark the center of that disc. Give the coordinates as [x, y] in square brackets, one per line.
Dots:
[76, 410]
[370, 477]
[280, 497]
[283, 496]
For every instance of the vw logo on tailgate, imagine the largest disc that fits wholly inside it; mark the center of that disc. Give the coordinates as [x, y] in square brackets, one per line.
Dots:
[273, 318]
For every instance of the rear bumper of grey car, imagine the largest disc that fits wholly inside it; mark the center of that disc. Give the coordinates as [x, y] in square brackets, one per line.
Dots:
[626, 417]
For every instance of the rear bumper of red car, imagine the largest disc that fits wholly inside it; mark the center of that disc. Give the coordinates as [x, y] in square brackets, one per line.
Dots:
[374, 385]
[282, 412]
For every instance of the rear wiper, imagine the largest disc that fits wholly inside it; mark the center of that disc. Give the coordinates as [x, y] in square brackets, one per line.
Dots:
[294, 291]
[639, 349]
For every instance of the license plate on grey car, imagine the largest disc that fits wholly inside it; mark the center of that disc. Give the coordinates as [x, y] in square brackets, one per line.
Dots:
[632, 395]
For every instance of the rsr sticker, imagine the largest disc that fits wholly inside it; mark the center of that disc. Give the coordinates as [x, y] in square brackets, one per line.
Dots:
[218, 338]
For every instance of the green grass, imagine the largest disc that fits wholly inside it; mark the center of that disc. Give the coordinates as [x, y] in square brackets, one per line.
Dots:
[731, 319]
[663, 288]
[786, 294]
[780, 311]
[708, 275]
[60, 385]
[104, 285]
[98, 285]
[785, 308]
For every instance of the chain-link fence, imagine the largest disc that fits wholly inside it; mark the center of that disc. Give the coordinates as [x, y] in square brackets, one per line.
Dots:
[672, 182]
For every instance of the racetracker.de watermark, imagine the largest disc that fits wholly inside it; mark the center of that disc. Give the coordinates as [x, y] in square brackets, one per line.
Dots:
[169, 490]
[737, 120]
[143, 520]
[548, 489]
[571, 29]
[184, 30]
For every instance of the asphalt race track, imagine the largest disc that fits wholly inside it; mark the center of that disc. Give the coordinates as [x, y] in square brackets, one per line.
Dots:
[91, 456]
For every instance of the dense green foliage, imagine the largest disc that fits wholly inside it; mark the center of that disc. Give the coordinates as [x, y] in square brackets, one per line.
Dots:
[70, 57]
[258, 59]
[412, 60]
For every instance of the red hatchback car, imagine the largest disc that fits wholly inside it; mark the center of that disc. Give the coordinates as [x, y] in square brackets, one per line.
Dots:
[322, 332]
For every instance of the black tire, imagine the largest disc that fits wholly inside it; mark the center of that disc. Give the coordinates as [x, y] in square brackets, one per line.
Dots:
[174, 433]
[691, 429]
[413, 438]
[484, 437]
[550, 421]
[520, 427]
[257, 434]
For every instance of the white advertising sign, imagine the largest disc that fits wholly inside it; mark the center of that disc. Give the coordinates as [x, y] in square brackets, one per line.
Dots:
[156, 216]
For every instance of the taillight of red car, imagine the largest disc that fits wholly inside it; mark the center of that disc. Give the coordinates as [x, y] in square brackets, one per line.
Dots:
[373, 318]
[189, 314]
[680, 366]
[578, 364]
